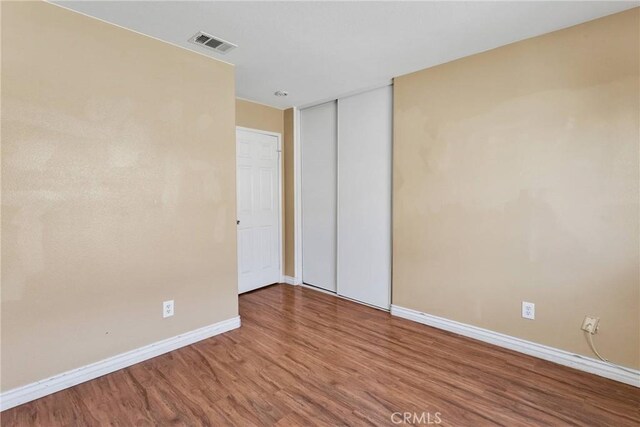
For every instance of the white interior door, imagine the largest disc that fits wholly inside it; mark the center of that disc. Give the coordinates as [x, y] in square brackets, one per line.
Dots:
[364, 196]
[318, 155]
[258, 210]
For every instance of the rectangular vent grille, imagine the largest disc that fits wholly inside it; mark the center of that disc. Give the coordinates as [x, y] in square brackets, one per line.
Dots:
[211, 42]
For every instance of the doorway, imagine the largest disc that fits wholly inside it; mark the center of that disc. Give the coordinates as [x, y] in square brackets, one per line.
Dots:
[346, 171]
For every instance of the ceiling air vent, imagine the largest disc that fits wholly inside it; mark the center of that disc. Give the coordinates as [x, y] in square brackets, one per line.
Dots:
[215, 43]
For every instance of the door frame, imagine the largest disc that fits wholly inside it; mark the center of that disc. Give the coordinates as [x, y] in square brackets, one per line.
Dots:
[280, 195]
[297, 202]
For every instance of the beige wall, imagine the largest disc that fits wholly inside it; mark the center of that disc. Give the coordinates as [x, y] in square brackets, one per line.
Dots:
[258, 116]
[516, 179]
[118, 191]
[289, 195]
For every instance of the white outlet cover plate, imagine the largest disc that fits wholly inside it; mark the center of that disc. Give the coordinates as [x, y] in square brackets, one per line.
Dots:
[590, 324]
[167, 308]
[528, 310]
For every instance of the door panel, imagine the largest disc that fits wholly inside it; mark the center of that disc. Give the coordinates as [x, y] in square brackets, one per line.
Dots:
[266, 189]
[364, 196]
[318, 151]
[258, 210]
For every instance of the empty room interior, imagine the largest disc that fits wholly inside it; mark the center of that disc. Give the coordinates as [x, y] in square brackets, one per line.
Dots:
[319, 213]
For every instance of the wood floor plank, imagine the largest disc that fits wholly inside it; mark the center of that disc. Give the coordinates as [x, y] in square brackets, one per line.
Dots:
[306, 358]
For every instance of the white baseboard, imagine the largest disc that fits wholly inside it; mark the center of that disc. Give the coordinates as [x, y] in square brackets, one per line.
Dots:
[38, 389]
[551, 354]
[290, 280]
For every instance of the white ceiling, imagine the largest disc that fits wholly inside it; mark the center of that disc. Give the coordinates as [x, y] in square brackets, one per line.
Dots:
[322, 50]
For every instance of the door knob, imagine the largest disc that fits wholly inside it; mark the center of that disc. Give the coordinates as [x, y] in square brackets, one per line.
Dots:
[237, 222]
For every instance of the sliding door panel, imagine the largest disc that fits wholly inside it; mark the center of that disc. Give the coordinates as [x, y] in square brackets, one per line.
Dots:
[318, 150]
[364, 197]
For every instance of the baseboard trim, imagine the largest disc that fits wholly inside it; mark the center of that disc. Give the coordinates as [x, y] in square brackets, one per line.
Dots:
[38, 389]
[550, 354]
[290, 280]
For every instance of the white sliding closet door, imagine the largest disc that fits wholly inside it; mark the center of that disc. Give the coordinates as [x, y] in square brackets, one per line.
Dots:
[364, 196]
[318, 150]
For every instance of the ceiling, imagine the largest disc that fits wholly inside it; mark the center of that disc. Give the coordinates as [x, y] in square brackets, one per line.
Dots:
[322, 50]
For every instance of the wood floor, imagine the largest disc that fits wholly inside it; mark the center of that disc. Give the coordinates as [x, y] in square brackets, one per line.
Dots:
[303, 358]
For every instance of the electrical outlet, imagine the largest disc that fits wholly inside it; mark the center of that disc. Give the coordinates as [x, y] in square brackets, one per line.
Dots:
[528, 310]
[167, 308]
[590, 324]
